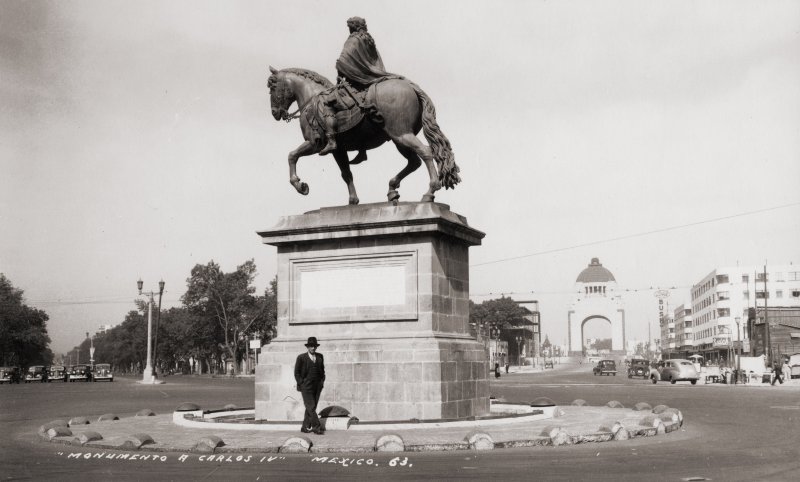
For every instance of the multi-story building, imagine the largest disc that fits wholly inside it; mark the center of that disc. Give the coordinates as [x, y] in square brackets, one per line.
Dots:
[684, 339]
[721, 298]
[667, 332]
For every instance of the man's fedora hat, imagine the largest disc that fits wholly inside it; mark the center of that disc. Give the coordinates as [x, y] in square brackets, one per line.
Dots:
[312, 341]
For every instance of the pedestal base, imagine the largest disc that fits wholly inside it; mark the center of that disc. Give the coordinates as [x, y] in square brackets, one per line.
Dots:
[380, 379]
[385, 290]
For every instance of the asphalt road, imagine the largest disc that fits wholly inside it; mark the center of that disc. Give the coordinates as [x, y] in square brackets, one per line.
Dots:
[731, 433]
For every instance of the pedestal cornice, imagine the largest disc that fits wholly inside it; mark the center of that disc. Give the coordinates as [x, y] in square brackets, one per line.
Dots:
[379, 219]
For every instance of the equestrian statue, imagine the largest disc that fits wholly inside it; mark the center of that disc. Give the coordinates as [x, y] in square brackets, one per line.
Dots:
[367, 107]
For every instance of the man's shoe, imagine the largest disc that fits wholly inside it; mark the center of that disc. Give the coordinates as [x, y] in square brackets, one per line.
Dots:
[318, 431]
[305, 430]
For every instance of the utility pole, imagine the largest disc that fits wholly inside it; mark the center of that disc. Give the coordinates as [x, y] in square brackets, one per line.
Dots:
[767, 340]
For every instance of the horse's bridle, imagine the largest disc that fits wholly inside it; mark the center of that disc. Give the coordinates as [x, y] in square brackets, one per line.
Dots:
[281, 98]
[298, 112]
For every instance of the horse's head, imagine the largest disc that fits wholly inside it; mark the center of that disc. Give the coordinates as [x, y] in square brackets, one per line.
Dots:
[281, 94]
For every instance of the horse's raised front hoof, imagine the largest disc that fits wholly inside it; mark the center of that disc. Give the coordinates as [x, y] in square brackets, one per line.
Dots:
[303, 189]
[428, 198]
[353, 201]
[393, 196]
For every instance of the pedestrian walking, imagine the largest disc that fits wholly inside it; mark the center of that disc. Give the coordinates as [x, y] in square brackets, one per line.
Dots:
[507, 364]
[778, 373]
[309, 373]
[497, 370]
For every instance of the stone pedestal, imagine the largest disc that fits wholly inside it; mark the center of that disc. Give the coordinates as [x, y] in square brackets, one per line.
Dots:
[385, 289]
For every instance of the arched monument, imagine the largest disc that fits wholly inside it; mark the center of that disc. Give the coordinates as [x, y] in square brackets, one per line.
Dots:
[596, 299]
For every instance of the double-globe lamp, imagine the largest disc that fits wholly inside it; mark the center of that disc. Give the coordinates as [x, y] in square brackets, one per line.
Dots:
[147, 376]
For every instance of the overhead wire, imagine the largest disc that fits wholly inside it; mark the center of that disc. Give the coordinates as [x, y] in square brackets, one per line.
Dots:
[636, 235]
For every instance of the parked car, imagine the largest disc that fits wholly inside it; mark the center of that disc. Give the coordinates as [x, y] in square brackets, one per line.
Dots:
[58, 373]
[102, 371]
[678, 370]
[548, 362]
[794, 366]
[639, 367]
[9, 375]
[37, 373]
[605, 367]
[80, 373]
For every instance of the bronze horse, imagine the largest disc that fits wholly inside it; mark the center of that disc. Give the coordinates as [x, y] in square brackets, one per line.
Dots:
[405, 109]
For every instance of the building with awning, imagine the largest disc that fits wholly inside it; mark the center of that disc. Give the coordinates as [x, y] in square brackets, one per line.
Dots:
[721, 306]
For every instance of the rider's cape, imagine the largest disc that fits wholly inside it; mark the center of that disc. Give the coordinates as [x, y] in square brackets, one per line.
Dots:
[360, 62]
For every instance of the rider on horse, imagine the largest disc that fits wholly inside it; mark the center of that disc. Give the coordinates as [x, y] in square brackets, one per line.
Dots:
[359, 65]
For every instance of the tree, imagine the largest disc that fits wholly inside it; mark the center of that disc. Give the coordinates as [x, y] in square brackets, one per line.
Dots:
[501, 313]
[124, 346]
[602, 344]
[227, 301]
[23, 330]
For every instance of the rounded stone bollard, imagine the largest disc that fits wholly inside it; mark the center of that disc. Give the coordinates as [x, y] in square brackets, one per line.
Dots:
[135, 441]
[78, 421]
[54, 432]
[660, 408]
[187, 407]
[615, 404]
[621, 433]
[674, 414]
[389, 442]
[89, 436]
[578, 402]
[55, 423]
[295, 445]
[107, 417]
[208, 444]
[558, 436]
[479, 441]
[145, 413]
[642, 407]
[612, 428]
[653, 421]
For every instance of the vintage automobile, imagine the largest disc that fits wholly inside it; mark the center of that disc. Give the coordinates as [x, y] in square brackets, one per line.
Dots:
[640, 367]
[58, 373]
[36, 373]
[80, 373]
[548, 362]
[605, 367]
[794, 367]
[678, 370]
[102, 372]
[9, 375]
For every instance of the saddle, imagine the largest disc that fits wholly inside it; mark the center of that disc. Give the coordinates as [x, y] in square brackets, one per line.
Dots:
[351, 107]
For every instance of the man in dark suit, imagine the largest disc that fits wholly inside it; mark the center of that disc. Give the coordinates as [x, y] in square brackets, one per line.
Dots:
[309, 373]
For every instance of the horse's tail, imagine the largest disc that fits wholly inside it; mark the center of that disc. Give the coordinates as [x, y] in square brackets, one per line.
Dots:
[440, 146]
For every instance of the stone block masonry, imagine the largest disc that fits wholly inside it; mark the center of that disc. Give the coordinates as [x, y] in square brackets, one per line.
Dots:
[386, 291]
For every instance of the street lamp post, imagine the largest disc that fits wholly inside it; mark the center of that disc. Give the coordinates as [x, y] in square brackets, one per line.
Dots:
[91, 349]
[148, 377]
[738, 342]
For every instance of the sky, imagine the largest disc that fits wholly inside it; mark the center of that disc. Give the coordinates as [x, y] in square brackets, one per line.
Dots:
[661, 137]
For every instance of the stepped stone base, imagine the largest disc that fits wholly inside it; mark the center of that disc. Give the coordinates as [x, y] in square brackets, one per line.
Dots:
[393, 379]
